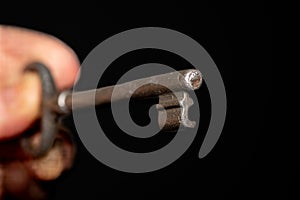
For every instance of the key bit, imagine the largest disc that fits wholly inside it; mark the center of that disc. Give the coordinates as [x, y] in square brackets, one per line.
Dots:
[173, 111]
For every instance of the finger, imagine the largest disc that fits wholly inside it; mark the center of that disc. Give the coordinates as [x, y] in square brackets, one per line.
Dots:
[20, 94]
[18, 182]
[59, 158]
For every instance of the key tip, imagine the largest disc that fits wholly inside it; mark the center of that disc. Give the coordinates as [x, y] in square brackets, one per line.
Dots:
[193, 79]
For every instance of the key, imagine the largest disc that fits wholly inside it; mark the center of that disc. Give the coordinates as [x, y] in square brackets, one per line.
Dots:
[171, 110]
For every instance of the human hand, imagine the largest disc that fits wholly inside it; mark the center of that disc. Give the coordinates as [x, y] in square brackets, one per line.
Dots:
[20, 98]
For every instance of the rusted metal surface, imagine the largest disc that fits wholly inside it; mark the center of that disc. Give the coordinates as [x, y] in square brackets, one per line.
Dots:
[190, 79]
[173, 111]
[48, 120]
[159, 85]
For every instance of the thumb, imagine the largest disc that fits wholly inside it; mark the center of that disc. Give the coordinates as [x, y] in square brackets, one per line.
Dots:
[20, 93]
[19, 105]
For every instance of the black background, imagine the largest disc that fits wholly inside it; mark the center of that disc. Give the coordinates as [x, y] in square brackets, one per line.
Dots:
[239, 39]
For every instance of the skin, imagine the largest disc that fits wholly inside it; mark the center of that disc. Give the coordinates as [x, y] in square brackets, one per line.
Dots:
[20, 98]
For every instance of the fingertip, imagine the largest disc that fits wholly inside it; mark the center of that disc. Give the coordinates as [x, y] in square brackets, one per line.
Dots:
[61, 61]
